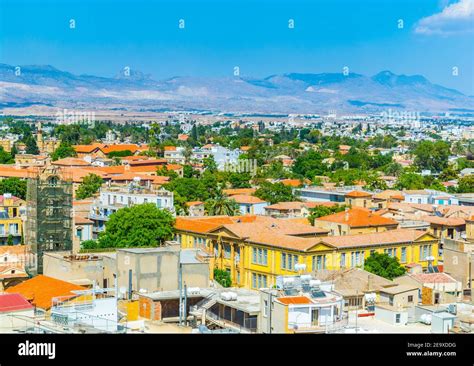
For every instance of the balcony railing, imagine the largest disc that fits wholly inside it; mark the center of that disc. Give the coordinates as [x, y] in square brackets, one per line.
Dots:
[249, 326]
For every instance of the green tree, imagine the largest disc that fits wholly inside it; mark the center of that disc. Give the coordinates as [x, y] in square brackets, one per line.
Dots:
[154, 139]
[6, 158]
[309, 164]
[165, 172]
[432, 155]
[10, 239]
[89, 244]
[89, 186]
[210, 164]
[410, 181]
[448, 174]
[137, 226]
[240, 180]
[31, 147]
[64, 150]
[383, 265]
[221, 205]
[119, 154]
[466, 184]
[222, 277]
[15, 186]
[276, 192]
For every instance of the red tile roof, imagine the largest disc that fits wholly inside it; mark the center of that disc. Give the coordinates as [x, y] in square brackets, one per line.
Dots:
[41, 290]
[245, 199]
[358, 194]
[294, 300]
[13, 302]
[433, 278]
[358, 217]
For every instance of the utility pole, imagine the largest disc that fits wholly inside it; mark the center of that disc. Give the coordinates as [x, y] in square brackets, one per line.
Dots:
[180, 289]
[357, 306]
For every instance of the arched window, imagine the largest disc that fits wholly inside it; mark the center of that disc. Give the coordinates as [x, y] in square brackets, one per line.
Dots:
[53, 181]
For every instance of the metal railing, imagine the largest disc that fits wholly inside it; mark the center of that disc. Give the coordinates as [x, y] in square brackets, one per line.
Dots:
[249, 326]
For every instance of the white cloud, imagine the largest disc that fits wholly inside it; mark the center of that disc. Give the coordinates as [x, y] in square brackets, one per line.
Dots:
[453, 19]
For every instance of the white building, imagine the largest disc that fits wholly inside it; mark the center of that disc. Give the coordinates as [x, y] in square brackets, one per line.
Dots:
[112, 199]
[222, 156]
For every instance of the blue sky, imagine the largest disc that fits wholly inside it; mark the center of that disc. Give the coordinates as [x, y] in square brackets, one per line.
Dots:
[254, 35]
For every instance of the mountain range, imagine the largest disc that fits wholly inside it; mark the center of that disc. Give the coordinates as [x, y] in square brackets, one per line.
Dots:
[282, 93]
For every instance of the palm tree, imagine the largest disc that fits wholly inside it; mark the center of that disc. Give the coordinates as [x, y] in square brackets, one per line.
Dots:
[222, 205]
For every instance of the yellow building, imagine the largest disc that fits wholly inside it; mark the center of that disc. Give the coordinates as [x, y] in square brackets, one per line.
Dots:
[255, 249]
[46, 145]
[356, 220]
[6, 144]
[358, 199]
[11, 222]
[470, 228]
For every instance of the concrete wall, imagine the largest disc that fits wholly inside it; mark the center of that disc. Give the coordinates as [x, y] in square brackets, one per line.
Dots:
[151, 271]
[8, 323]
[56, 266]
[196, 275]
[458, 263]
[389, 316]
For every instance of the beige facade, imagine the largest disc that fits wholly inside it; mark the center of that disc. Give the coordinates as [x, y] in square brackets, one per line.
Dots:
[459, 261]
[399, 296]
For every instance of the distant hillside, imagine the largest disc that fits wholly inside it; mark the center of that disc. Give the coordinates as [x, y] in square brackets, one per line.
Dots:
[286, 93]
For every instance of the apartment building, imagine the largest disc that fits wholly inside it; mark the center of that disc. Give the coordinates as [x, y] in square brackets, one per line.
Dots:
[11, 222]
[113, 198]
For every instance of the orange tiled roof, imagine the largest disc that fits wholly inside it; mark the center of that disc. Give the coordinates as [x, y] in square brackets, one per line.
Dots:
[174, 166]
[294, 300]
[115, 169]
[358, 194]
[204, 224]
[433, 278]
[71, 162]
[147, 161]
[246, 199]
[292, 182]
[445, 221]
[13, 249]
[82, 220]
[194, 203]
[78, 174]
[234, 191]
[387, 237]
[8, 171]
[358, 217]
[284, 206]
[107, 149]
[315, 204]
[183, 137]
[87, 148]
[40, 290]
[170, 148]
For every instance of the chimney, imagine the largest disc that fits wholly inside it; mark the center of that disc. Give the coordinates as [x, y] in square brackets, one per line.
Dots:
[346, 215]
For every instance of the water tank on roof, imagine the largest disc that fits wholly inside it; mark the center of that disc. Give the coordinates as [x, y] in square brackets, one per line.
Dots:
[300, 266]
[306, 278]
[314, 283]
